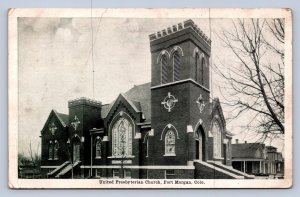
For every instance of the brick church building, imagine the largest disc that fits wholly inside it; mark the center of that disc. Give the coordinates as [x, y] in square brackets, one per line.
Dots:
[168, 128]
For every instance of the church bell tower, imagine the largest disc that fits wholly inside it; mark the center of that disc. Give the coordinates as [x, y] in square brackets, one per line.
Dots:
[180, 92]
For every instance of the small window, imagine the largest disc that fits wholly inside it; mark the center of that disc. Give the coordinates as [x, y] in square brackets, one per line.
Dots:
[170, 143]
[55, 150]
[127, 174]
[170, 174]
[116, 173]
[98, 173]
[98, 149]
[50, 150]
[147, 177]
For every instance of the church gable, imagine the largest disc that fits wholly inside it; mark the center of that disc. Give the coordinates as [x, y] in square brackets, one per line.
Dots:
[218, 112]
[133, 108]
[55, 123]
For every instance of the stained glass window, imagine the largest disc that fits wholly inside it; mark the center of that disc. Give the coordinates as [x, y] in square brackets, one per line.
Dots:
[122, 137]
[98, 148]
[216, 131]
[170, 143]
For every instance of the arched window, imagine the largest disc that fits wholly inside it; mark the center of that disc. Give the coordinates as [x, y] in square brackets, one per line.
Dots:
[199, 68]
[217, 138]
[122, 137]
[55, 150]
[176, 66]
[50, 150]
[98, 148]
[196, 67]
[202, 71]
[170, 143]
[164, 69]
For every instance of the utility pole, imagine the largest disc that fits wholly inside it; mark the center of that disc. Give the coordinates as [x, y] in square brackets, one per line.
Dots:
[123, 150]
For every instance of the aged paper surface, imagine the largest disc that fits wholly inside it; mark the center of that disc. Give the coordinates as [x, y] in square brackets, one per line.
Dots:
[150, 98]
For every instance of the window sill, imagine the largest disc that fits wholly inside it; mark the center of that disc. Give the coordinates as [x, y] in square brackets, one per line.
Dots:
[169, 155]
[218, 158]
[97, 157]
[121, 157]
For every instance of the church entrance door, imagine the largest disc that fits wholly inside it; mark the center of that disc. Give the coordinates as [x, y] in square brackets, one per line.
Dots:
[200, 144]
[197, 149]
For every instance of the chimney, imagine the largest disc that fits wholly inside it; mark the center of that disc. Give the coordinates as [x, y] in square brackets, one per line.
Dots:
[236, 141]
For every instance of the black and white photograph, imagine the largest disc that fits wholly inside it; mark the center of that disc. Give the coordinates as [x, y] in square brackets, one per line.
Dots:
[150, 98]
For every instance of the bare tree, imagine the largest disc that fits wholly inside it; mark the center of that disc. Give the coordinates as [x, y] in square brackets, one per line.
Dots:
[34, 156]
[254, 82]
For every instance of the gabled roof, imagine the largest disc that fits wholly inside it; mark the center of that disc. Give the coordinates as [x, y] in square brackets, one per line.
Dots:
[215, 107]
[140, 96]
[105, 109]
[63, 118]
[247, 150]
[271, 149]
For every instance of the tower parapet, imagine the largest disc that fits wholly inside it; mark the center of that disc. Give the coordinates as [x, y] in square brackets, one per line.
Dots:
[84, 101]
[180, 26]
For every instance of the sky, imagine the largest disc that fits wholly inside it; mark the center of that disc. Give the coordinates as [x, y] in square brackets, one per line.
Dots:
[55, 64]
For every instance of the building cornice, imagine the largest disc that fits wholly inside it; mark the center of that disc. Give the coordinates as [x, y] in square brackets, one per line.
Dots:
[179, 82]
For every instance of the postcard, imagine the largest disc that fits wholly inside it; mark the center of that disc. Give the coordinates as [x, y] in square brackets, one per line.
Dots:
[150, 98]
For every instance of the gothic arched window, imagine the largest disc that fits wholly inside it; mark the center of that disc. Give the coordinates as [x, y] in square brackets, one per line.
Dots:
[55, 150]
[217, 138]
[50, 150]
[170, 143]
[202, 71]
[122, 137]
[176, 66]
[164, 69]
[196, 67]
[98, 148]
